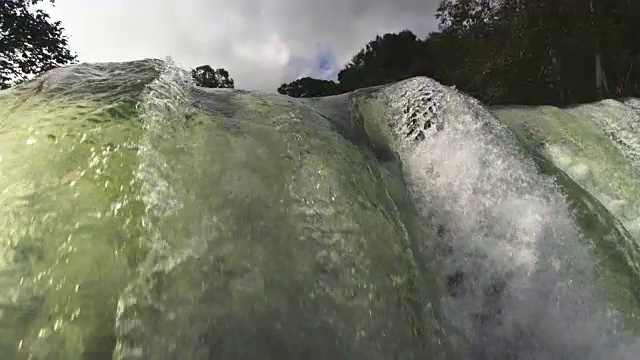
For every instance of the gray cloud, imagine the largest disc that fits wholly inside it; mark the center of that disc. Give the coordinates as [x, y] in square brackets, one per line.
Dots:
[261, 42]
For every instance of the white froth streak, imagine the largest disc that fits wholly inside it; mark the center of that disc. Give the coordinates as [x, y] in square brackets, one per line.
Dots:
[164, 103]
[503, 220]
[475, 173]
[620, 121]
[163, 108]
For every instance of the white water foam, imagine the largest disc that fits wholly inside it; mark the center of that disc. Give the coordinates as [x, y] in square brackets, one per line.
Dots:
[620, 121]
[164, 103]
[521, 285]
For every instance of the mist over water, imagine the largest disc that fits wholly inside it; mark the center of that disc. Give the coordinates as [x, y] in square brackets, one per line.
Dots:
[405, 221]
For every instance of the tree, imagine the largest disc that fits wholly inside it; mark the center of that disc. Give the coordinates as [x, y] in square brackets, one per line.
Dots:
[509, 51]
[488, 49]
[538, 51]
[309, 87]
[30, 43]
[206, 76]
[386, 59]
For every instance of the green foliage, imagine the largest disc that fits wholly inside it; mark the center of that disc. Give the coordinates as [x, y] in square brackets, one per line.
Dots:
[527, 51]
[309, 87]
[513, 51]
[30, 43]
[389, 58]
[386, 59]
[206, 76]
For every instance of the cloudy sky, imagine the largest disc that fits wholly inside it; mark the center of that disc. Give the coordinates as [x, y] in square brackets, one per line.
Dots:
[262, 43]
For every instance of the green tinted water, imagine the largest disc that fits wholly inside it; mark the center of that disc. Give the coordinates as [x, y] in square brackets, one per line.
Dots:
[144, 218]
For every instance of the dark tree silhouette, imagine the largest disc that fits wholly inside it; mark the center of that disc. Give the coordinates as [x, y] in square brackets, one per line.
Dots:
[30, 43]
[206, 76]
[542, 51]
[386, 59]
[509, 51]
[309, 87]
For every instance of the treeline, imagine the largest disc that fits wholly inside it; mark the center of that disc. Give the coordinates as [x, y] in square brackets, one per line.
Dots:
[507, 51]
[499, 51]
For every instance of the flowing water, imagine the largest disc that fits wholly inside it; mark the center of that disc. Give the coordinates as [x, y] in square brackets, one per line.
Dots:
[145, 218]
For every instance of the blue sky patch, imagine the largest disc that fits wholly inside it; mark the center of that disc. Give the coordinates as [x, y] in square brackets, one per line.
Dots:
[325, 64]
